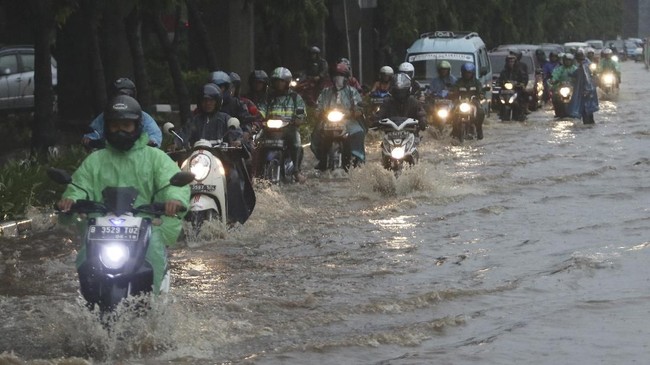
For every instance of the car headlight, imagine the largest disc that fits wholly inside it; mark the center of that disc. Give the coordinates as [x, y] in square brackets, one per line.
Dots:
[508, 85]
[565, 91]
[200, 166]
[274, 123]
[397, 153]
[114, 255]
[464, 107]
[335, 116]
[443, 113]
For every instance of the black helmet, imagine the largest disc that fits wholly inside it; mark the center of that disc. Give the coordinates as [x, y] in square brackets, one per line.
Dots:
[236, 83]
[210, 91]
[123, 86]
[258, 75]
[122, 107]
[401, 87]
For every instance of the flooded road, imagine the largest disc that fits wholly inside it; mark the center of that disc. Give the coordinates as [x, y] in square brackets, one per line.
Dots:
[528, 246]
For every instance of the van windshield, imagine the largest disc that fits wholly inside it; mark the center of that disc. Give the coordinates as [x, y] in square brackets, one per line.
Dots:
[426, 64]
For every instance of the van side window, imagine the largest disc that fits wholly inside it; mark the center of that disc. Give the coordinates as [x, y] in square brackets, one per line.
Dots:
[8, 62]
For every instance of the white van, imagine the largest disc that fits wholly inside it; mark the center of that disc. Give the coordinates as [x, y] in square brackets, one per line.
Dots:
[457, 48]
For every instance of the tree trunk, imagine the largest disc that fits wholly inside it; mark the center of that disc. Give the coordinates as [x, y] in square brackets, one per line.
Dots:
[134, 37]
[43, 125]
[95, 54]
[201, 31]
[174, 66]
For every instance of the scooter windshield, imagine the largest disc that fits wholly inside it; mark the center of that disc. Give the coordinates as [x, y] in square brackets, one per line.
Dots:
[119, 200]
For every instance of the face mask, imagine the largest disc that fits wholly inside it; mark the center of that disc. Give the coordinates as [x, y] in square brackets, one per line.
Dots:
[122, 140]
[339, 82]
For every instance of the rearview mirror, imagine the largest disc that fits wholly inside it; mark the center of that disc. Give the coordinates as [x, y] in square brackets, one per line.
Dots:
[300, 111]
[59, 176]
[181, 178]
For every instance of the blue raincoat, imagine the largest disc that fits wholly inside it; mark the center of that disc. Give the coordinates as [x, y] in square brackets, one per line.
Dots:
[584, 100]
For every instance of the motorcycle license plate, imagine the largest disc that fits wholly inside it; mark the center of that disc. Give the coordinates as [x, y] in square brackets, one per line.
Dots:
[114, 233]
[201, 188]
[397, 134]
[278, 143]
[333, 126]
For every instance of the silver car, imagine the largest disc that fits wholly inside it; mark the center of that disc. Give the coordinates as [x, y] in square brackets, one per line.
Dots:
[17, 78]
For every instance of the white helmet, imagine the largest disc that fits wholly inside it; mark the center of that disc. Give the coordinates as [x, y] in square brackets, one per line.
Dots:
[386, 70]
[407, 68]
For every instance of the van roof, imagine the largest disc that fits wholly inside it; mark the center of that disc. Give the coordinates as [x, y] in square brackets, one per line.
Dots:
[446, 41]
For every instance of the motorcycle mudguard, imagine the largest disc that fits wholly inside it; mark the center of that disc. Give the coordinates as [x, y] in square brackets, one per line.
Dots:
[200, 202]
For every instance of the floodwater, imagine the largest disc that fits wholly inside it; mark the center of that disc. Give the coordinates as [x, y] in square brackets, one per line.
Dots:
[530, 246]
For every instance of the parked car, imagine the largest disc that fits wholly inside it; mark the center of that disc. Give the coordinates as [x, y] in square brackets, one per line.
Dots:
[551, 47]
[535, 86]
[17, 78]
[596, 44]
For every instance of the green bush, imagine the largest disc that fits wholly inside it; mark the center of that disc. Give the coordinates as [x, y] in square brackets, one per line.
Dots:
[24, 183]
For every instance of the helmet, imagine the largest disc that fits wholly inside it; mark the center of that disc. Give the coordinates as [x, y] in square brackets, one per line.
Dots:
[407, 68]
[517, 54]
[346, 61]
[444, 64]
[234, 78]
[401, 87]
[221, 78]
[314, 50]
[124, 86]
[568, 56]
[282, 73]
[258, 75]
[607, 51]
[210, 91]
[552, 54]
[386, 70]
[580, 54]
[590, 50]
[342, 69]
[468, 67]
[122, 107]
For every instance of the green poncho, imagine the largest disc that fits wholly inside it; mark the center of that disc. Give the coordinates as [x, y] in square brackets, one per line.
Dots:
[146, 169]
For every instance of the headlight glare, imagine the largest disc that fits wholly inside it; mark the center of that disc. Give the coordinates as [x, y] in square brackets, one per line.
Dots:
[200, 166]
[335, 116]
[397, 153]
[114, 255]
[274, 123]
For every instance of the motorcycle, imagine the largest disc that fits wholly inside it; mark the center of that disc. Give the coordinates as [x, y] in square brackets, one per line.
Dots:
[562, 99]
[278, 165]
[116, 242]
[399, 145]
[209, 193]
[463, 122]
[439, 111]
[608, 83]
[508, 102]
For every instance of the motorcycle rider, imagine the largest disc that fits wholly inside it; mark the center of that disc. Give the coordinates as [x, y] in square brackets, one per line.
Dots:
[253, 110]
[408, 69]
[211, 124]
[606, 63]
[258, 84]
[284, 103]
[232, 105]
[346, 99]
[402, 103]
[562, 74]
[124, 86]
[469, 87]
[584, 101]
[440, 85]
[549, 66]
[128, 162]
[383, 84]
[353, 80]
[515, 74]
[317, 67]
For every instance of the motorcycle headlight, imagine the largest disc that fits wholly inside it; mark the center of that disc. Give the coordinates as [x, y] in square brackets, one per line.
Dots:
[464, 107]
[608, 78]
[565, 91]
[274, 123]
[200, 166]
[593, 66]
[114, 255]
[512, 99]
[335, 116]
[397, 153]
[508, 85]
[443, 113]
[615, 58]
[293, 83]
